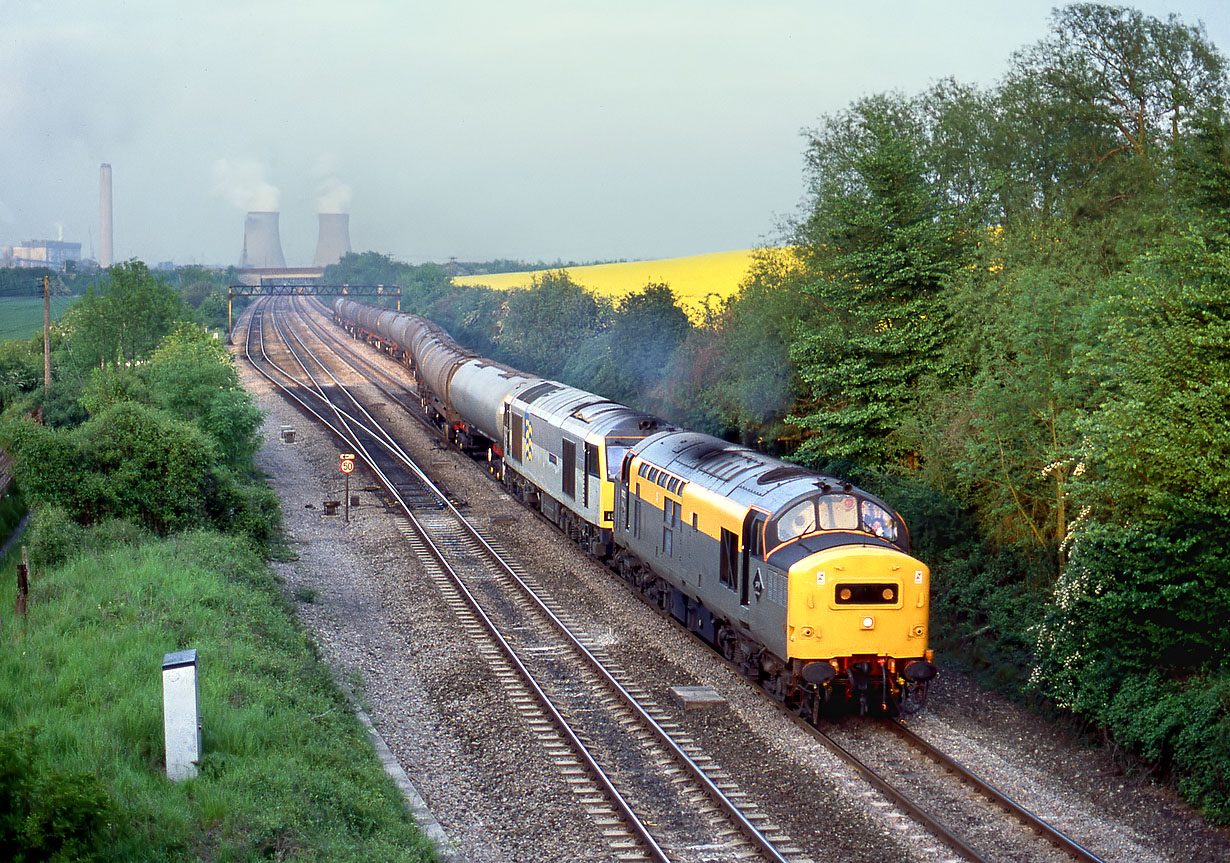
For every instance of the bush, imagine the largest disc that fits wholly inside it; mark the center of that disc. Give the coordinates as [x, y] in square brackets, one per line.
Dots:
[1184, 727]
[54, 536]
[129, 461]
[48, 814]
[245, 508]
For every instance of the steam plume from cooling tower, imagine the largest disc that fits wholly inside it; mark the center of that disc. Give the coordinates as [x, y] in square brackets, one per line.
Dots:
[242, 182]
[332, 196]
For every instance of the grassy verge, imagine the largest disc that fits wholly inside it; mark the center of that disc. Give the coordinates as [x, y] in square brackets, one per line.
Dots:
[287, 772]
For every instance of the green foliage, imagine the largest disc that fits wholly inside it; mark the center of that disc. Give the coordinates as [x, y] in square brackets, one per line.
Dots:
[287, 769]
[128, 462]
[21, 368]
[243, 507]
[192, 376]
[1183, 725]
[732, 374]
[547, 323]
[54, 536]
[125, 320]
[628, 358]
[109, 385]
[879, 243]
[47, 814]
[1134, 599]
[1163, 366]
[423, 286]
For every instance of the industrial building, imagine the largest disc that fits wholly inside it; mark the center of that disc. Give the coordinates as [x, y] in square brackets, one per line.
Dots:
[51, 254]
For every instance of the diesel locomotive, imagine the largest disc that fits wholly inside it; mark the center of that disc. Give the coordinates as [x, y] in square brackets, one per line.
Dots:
[802, 581]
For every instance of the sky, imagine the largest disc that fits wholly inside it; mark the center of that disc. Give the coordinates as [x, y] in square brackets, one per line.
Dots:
[469, 129]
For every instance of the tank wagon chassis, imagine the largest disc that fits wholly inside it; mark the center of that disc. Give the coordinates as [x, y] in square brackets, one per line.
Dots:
[802, 582]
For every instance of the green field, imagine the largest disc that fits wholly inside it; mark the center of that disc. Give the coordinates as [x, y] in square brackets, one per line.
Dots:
[22, 317]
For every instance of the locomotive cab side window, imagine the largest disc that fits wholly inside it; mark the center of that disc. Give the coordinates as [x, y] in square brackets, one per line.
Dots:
[728, 564]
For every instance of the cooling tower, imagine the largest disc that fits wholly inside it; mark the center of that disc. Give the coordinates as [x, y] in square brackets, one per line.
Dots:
[333, 240]
[106, 256]
[262, 245]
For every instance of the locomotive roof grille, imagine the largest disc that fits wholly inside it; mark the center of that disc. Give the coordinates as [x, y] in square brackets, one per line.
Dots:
[537, 391]
[590, 411]
[786, 471]
[729, 468]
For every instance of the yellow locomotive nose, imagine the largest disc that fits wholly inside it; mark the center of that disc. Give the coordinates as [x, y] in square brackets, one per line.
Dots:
[867, 600]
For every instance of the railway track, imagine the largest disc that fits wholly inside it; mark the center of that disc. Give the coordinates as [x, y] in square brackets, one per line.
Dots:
[967, 799]
[497, 599]
[653, 792]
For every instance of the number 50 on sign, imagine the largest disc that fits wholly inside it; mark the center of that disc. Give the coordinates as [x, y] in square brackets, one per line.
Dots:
[347, 463]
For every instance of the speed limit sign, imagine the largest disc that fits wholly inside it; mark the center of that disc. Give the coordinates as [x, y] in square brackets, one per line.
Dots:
[347, 463]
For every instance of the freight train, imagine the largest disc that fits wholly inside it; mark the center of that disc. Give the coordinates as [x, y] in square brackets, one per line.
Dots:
[802, 581]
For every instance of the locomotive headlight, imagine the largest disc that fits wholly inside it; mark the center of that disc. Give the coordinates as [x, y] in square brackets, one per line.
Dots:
[918, 631]
[869, 623]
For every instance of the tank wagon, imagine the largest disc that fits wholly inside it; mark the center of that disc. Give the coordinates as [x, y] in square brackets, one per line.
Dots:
[803, 581]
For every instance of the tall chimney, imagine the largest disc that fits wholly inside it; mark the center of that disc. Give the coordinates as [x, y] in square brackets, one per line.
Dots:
[333, 241]
[106, 253]
[262, 244]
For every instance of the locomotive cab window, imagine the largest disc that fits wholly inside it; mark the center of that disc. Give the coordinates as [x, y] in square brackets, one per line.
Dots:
[878, 520]
[827, 512]
[838, 512]
[796, 521]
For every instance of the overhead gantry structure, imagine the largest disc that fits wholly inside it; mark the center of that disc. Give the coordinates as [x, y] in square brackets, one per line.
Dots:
[304, 288]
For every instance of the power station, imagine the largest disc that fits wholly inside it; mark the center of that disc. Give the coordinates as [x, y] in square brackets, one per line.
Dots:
[106, 250]
[262, 258]
[333, 240]
[262, 244]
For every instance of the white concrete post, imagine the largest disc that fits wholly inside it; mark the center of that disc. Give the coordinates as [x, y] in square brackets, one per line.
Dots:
[181, 714]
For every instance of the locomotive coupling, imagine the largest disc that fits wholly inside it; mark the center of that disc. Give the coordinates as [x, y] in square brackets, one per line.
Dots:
[819, 673]
[920, 671]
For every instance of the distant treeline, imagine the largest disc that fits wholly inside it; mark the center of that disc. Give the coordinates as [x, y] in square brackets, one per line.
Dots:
[1007, 311]
[22, 282]
[506, 265]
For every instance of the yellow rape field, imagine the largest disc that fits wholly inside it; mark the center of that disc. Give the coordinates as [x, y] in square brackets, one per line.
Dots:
[692, 278]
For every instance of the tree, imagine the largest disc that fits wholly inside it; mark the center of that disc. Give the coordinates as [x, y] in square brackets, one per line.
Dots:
[126, 319]
[1094, 112]
[548, 322]
[647, 330]
[734, 375]
[878, 244]
[192, 376]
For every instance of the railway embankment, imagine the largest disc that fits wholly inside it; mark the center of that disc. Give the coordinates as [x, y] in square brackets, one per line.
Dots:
[150, 538]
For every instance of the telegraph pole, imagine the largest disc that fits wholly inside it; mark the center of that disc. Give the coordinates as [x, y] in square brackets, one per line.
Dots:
[47, 331]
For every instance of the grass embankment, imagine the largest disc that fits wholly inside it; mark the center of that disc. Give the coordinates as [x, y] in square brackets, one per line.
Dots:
[287, 771]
